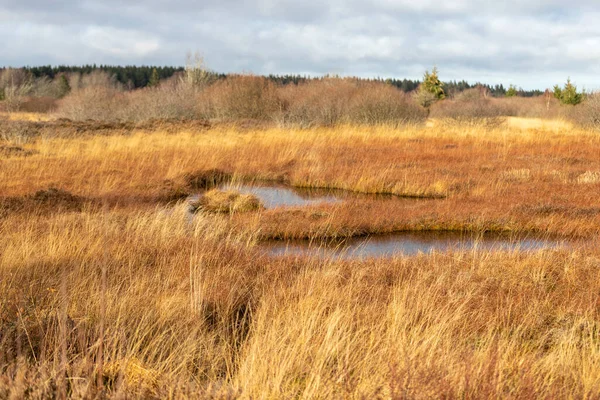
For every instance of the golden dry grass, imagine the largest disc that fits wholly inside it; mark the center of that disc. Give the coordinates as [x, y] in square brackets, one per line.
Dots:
[124, 296]
[504, 177]
[26, 116]
[227, 201]
[552, 125]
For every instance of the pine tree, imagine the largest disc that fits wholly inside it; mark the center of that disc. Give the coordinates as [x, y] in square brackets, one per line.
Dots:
[557, 91]
[154, 78]
[568, 94]
[431, 89]
[512, 91]
[433, 85]
[63, 86]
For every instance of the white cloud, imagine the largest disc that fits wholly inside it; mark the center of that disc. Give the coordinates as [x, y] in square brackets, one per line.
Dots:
[120, 42]
[531, 44]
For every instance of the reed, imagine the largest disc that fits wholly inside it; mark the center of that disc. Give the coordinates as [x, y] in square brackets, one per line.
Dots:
[108, 288]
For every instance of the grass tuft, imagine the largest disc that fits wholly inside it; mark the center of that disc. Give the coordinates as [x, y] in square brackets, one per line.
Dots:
[227, 201]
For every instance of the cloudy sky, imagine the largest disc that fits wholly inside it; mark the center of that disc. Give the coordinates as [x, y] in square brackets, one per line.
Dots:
[529, 43]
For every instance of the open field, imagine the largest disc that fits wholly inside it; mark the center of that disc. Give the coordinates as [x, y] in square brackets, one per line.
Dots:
[107, 287]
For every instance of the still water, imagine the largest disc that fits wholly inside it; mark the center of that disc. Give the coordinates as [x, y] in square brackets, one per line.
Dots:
[408, 244]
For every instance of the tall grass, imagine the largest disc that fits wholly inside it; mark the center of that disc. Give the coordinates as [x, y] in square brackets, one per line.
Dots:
[111, 291]
[195, 310]
[466, 172]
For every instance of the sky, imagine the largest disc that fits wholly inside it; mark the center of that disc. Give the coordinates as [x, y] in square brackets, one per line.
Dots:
[532, 44]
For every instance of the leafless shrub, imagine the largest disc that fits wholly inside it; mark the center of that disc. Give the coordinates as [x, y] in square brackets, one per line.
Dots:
[13, 77]
[586, 114]
[108, 103]
[531, 107]
[15, 85]
[163, 102]
[375, 104]
[239, 97]
[196, 74]
[93, 102]
[333, 101]
[325, 102]
[473, 107]
[321, 103]
[45, 87]
[38, 104]
[425, 98]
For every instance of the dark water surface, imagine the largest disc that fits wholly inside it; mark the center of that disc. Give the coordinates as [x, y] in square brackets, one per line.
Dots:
[408, 244]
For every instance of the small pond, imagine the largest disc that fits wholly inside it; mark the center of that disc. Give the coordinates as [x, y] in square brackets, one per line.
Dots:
[408, 244]
[273, 195]
[405, 243]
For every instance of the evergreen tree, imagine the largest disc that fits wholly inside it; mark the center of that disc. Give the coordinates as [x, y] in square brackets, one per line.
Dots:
[557, 91]
[63, 85]
[512, 91]
[432, 84]
[568, 94]
[154, 78]
[431, 90]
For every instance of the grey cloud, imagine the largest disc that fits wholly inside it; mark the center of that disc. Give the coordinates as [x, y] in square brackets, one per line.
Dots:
[532, 44]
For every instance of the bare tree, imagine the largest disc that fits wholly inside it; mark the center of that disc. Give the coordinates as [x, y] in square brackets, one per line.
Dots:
[15, 84]
[196, 74]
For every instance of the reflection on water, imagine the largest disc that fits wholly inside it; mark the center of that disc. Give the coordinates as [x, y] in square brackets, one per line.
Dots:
[408, 244]
[273, 196]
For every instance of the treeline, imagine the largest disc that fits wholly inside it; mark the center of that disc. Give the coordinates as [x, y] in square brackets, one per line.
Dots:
[135, 77]
[131, 76]
[408, 85]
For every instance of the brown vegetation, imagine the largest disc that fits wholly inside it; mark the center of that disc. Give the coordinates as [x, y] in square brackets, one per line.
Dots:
[588, 113]
[247, 99]
[226, 202]
[206, 179]
[107, 291]
[187, 311]
[327, 102]
[48, 201]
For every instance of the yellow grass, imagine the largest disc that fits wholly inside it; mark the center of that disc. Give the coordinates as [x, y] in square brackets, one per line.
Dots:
[26, 116]
[118, 293]
[228, 201]
[551, 125]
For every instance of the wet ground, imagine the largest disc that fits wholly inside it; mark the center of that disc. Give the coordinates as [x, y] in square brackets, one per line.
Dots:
[407, 243]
